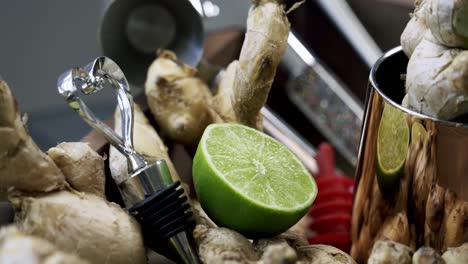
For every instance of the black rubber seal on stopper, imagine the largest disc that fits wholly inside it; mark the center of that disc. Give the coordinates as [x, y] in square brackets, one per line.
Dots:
[162, 215]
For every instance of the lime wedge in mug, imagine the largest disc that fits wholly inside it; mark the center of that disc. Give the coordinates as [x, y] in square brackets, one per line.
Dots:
[392, 147]
[418, 132]
[249, 182]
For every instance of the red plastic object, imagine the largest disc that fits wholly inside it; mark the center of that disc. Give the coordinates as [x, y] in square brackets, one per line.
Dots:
[339, 180]
[331, 223]
[326, 160]
[331, 213]
[331, 207]
[333, 195]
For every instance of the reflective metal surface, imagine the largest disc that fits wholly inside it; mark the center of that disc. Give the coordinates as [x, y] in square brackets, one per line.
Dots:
[323, 98]
[404, 157]
[351, 28]
[97, 75]
[444, 152]
[144, 182]
[132, 30]
[186, 254]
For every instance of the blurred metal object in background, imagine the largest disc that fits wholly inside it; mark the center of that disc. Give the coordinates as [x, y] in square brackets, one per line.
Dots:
[349, 25]
[132, 30]
[323, 99]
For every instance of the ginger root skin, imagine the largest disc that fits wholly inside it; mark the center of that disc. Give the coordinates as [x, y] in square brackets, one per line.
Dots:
[24, 166]
[179, 102]
[279, 253]
[220, 245]
[396, 228]
[437, 73]
[437, 80]
[78, 223]
[16, 247]
[448, 23]
[83, 224]
[446, 20]
[415, 29]
[446, 222]
[264, 45]
[224, 98]
[387, 251]
[82, 166]
[456, 255]
[324, 254]
[426, 255]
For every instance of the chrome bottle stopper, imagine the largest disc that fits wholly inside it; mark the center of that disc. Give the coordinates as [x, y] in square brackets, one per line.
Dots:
[149, 193]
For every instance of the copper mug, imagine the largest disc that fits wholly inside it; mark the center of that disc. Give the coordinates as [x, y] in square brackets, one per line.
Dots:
[440, 157]
[386, 87]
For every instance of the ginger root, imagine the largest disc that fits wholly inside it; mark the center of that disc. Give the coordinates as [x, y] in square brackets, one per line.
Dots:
[82, 166]
[426, 255]
[437, 80]
[446, 222]
[219, 245]
[183, 105]
[415, 29]
[456, 255]
[448, 23]
[80, 223]
[24, 166]
[437, 73]
[387, 251]
[84, 224]
[179, 101]
[16, 247]
[222, 245]
[324, 254]
[264, 45]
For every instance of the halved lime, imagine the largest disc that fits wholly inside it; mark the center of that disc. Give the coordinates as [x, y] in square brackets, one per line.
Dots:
[418, 132]
[249, 182]
[392, 147]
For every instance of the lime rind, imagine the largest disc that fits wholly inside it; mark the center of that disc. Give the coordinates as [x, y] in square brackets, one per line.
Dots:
[392, 146]
[229, 205]
[247, 146]
[418, 132]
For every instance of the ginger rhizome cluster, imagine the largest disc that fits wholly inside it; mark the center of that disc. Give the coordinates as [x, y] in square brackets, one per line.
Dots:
[435, 40]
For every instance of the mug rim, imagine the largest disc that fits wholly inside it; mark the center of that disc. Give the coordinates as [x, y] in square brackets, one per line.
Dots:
[375, 86]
